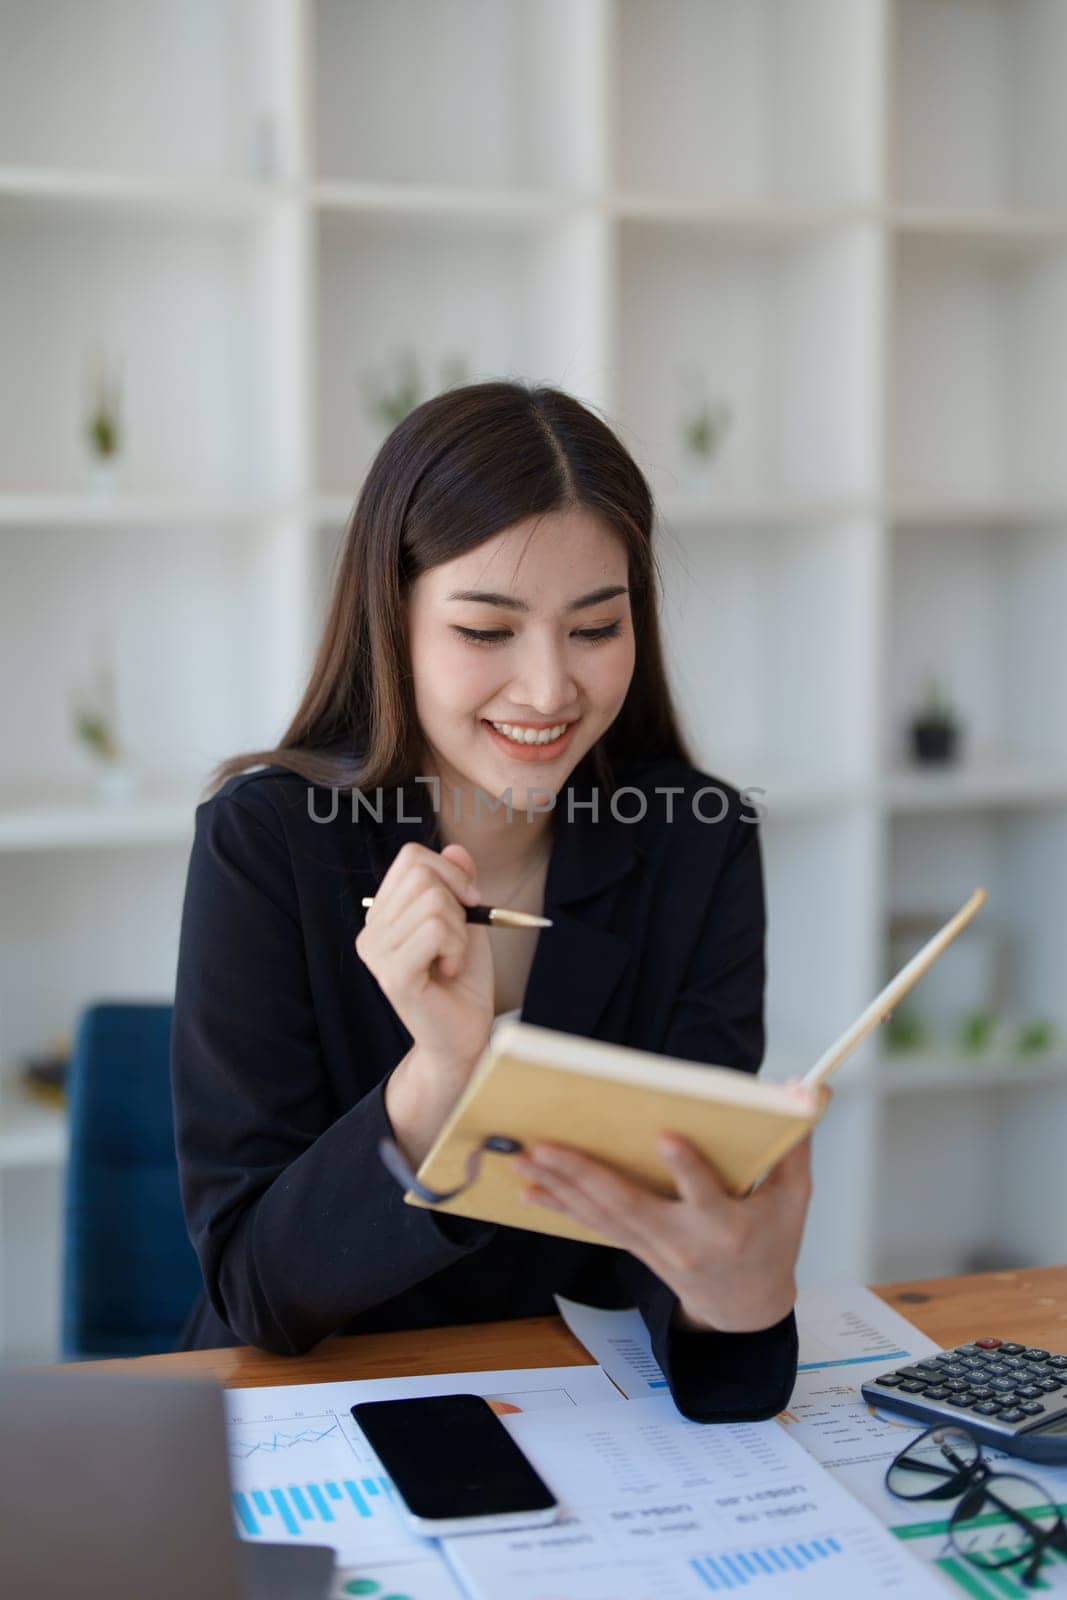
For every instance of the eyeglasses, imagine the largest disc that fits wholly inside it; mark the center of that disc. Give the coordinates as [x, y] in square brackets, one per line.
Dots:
[1003, 1519]
[395, 1163]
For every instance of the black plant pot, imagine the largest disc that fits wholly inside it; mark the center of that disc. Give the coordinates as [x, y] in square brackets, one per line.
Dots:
[934, 744]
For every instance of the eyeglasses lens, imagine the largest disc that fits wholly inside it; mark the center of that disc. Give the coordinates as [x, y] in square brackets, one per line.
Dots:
[1001, 1520]
[937, 1465]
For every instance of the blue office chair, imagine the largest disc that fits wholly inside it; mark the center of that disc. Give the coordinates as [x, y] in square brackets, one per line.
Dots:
[130, 1274]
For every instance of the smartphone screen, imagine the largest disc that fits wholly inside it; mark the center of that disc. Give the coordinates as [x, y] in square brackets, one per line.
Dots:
[451, 1457]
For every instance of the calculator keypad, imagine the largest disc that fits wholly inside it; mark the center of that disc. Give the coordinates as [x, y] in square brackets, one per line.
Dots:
[1000, 1386]
[1007, 1388]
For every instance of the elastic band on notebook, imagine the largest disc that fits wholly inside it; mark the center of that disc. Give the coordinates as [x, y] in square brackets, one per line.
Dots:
[395, 1163]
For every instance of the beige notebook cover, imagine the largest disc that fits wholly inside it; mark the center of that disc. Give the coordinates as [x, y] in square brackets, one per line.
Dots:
[610, 1101]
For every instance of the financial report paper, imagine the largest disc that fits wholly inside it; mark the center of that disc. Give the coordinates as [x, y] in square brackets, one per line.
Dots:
[302, 1472]
[659, 1508]
[654, 1507]
[847, 1336]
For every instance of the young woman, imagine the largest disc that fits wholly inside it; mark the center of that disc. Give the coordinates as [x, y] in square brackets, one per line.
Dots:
[492, 633]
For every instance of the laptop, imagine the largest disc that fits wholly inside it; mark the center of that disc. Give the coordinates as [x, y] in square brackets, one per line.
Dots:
[118, 1486]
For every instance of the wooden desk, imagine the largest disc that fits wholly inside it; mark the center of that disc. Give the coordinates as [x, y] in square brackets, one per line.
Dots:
[1027, 1306]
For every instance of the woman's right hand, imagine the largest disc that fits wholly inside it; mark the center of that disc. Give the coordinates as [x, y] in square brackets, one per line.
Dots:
[434, 967]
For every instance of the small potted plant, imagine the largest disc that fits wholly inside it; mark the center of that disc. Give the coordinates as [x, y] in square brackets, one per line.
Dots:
[94, 722]
[976, 1032]
[1036, 1036]
[704, 423]
[905, 1032]
[390, 398]
[103, 426]
[935, 728]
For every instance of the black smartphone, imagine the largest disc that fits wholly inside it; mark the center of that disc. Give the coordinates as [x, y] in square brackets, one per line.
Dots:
[455, 1465]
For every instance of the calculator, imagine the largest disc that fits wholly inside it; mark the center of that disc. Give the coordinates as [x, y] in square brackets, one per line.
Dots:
[1008, 1395]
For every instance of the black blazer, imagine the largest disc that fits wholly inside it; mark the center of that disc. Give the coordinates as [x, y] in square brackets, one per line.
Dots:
[283, 1039]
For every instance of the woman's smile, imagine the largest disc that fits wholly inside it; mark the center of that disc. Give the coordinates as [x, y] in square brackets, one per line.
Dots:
[535, 743]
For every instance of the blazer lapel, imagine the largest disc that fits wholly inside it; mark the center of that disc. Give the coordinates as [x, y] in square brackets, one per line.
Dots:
[407, 813]
[576, 969]
[579, 961]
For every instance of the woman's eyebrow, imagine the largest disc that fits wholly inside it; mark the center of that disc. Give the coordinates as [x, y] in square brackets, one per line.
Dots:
[487, 598]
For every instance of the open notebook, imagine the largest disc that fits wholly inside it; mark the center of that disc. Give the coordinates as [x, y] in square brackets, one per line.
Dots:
[610, 1100]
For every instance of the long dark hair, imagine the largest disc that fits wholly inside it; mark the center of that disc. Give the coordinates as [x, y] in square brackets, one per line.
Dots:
[459, 469]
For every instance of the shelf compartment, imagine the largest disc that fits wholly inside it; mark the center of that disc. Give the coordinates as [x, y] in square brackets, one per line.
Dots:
[967, 1182]
[177, 306]
[198, 664]
[822, 956]
[755, 630]
[981, 612]
[977, 107]
[144, 87]
[1010, 961]
[979, 379]
[497, 93]
[507, 301]
[783, 333]
[748, 100]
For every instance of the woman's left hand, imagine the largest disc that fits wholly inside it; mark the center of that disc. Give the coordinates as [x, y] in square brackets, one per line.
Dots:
[730, 1261]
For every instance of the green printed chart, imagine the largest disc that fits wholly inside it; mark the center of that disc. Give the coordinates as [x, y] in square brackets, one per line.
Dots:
[427, 1578]
[987, 1584]
[370, 1587]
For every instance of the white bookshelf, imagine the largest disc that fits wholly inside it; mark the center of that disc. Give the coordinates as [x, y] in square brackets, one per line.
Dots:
[849, 215]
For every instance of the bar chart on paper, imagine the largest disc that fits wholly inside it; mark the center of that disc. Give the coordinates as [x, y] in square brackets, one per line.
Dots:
[297, 1504]
[313, 1478]
[301, 1470]
[583, 1560]
[736, 1569]
[660, 1508]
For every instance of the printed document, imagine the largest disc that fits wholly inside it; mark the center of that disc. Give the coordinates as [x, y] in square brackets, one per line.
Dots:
[301, 1470]
[659, 1508]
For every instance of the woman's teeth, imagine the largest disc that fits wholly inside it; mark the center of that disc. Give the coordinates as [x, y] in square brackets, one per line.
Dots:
[531, 735]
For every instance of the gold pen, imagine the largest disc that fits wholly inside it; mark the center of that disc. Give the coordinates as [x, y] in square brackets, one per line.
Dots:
[497, 916]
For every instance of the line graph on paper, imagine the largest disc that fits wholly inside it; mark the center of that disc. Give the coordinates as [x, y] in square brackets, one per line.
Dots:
[288, 1436]
[304, 1435]
[314, 1478]
[310, 1475]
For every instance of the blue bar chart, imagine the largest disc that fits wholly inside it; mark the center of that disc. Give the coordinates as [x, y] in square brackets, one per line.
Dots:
[721, 1574]
[313, 1479]
[302, 1508]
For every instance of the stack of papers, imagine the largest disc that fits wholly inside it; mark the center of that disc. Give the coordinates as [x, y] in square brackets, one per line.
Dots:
[660, 1507]
[301, 1470]
[847, 1337]
[654, 1507]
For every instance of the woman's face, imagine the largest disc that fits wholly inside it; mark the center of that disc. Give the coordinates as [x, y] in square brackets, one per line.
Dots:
[531, 630]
